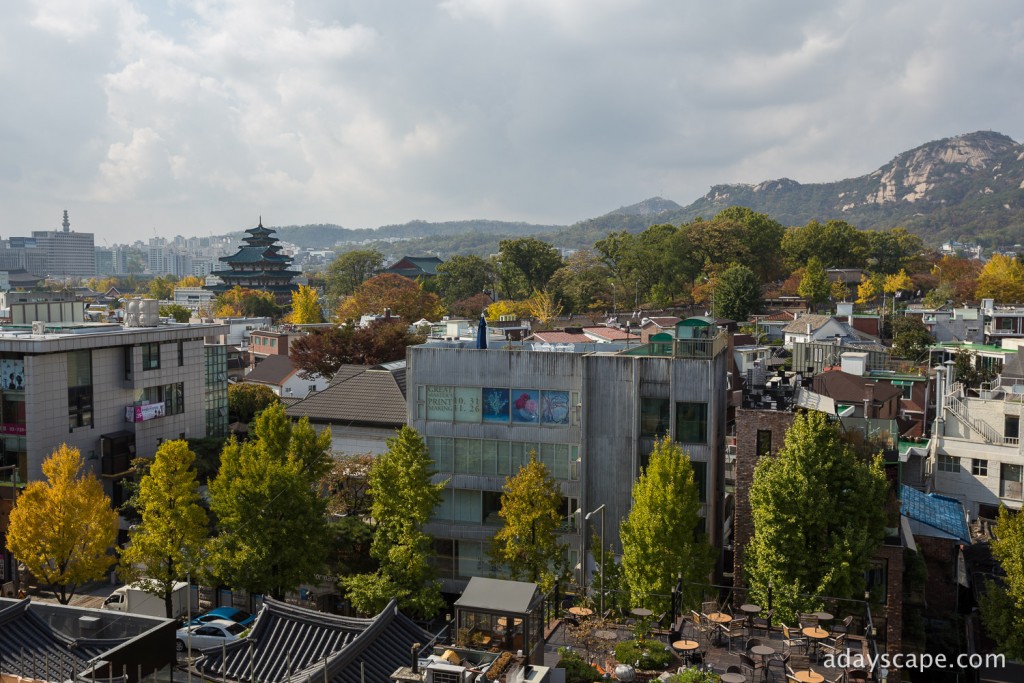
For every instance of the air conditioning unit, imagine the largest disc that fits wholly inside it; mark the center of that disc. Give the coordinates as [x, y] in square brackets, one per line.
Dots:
[38, 327]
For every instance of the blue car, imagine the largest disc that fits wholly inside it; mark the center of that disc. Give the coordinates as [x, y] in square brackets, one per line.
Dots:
[230, 613]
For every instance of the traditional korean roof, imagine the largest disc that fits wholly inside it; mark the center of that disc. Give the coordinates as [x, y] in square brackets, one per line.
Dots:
[290, 643]
[361, 394]
[256, 254]
[415, 266]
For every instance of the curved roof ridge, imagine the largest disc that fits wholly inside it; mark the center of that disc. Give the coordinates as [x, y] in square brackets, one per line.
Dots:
[14, 610]
[338, 661]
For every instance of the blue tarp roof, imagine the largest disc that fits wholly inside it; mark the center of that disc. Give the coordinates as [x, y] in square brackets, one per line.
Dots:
[940, 512]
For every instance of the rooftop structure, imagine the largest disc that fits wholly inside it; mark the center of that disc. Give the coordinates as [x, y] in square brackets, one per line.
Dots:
[415, 267]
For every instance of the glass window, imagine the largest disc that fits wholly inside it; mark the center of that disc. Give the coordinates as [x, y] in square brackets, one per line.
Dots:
[443, 511]
[491, 507]
[441, 452]
[700, 478]
[495, 405]
[1010, 481]
[467, 404]
[691, 422]
[79, 389]
[979, 468]
[1011, 427]
[440, 402]
[467, 507]
[525, 406]
[467, 456]
[494, 458]
[151, 356]
[554, 407]
[654, 416]
[764, 442]
[948, 463]
[181, 353]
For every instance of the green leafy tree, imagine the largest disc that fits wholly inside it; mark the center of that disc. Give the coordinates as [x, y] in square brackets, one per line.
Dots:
[910, 338]
[249, 303]
[162, 288]
[528, 542]
[403, 501]
[63, 528]
[305, 306]
[837, 244]
[762, 237]
[814, 285]
[658, 537]
[526, 265]
[1002, 606]
[819, 514]
[179, 313]
[737, 293]
[462, 277]
[246, 400]
[892, 250]
[1002, 279]
[266, 498]
[352, 269]
[165, 546]
[583, 282]
[968, 371]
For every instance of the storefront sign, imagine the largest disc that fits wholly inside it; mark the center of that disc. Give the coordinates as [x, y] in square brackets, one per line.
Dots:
[143, 413]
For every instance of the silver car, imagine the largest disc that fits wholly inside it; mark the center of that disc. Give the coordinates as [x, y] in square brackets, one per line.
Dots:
[210, 634]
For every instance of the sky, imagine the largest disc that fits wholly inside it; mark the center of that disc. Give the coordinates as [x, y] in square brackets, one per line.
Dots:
[196, 117]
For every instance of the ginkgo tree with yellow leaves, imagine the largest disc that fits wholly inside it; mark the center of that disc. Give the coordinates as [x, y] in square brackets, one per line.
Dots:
[63, 529]
[305, 306]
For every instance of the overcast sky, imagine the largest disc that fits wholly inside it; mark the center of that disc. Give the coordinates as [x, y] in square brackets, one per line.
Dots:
[196, 116]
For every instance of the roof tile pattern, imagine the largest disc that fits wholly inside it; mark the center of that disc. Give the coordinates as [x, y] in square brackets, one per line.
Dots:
[30, 648]
[358, 394]
[290, 643]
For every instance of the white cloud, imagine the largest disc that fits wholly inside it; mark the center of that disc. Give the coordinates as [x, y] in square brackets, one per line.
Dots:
[198, 114]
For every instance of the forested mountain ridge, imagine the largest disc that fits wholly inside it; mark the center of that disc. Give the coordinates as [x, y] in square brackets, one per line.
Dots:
[967, 187]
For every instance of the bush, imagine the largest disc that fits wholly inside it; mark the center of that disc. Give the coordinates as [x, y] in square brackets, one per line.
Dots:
[694, 676]
[576, 668]
[651, 654]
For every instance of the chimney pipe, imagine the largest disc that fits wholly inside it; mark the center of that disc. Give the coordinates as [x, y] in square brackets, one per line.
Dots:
[414, 653]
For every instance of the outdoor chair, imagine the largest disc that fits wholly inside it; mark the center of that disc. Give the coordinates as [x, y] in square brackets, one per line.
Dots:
[737, 628]
[709, 606]
[838, 678]
[749, 667]
[762, 622]
[779, 661]
[752, 642]
[843, 626]
[833, 646]
[806, 620]
[700, 628]
[792, 641]
[734, 670]
[857, 676]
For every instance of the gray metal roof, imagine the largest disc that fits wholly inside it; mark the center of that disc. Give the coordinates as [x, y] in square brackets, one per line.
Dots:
[358, 394]
[289, 643]
[497, 595]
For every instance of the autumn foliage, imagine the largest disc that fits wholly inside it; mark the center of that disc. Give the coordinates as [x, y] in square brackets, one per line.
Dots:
[405, 297]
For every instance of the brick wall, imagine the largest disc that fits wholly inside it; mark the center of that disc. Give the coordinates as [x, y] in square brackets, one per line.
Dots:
[748, 423]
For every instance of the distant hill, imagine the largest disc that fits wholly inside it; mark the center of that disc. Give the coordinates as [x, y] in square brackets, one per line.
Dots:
[968, 187]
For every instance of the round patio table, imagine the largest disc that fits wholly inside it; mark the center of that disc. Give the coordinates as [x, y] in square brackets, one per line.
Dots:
[581, 611]
[824, 616]
[606, 635]
[719, 617]
[815, 633]
[764, 652]
[641, 612]
[750, 609]
[686, 645]
[733, 678]
[808, 676]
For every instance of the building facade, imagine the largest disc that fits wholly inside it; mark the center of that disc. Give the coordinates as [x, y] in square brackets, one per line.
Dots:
[591, 418]
[68, 254]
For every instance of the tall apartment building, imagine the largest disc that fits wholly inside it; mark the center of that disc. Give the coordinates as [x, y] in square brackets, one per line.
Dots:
[592, 419]
[68, 254]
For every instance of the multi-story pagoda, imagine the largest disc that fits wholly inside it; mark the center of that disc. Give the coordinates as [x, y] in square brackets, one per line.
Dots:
[258, 265]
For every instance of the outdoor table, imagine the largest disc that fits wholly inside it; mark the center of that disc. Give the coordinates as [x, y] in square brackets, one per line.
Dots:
[581, 611]
[750, 609]
[719, 617]
[606, 635]
[808, 676]
[733, 678]
[824, 616]
[641, 612]
[815, 633]
[686, 645]
[764, 652]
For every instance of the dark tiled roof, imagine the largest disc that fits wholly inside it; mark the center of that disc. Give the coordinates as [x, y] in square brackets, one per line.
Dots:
[273, 369]
[411, 266]
[254, 255]
[294, 644]
[358, 394]
[799, 326]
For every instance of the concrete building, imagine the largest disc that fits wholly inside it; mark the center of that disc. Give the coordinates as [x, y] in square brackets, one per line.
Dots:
[113, 392]
[592, 418]
[977, 457]
[68, 254]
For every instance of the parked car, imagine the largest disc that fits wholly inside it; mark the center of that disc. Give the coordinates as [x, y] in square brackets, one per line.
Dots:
[211, 634]
[239, 616]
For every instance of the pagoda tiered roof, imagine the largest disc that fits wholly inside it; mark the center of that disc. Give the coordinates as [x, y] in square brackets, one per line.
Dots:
[257, 265]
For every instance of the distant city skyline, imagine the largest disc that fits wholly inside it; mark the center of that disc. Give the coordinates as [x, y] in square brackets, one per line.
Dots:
[195, 118]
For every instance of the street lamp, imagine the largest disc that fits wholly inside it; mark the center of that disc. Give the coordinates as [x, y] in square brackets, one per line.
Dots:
[587, 518]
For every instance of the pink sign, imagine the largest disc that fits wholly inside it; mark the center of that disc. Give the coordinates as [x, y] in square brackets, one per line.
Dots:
[143, 413]
[8, 428]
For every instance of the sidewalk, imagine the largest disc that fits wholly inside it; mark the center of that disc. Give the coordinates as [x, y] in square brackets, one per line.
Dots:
[88, 595]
